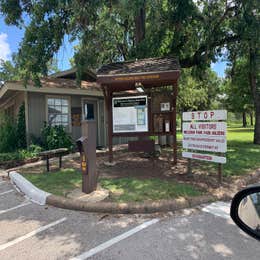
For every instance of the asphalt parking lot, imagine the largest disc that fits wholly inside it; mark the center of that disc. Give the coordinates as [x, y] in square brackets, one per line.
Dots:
[29, 231]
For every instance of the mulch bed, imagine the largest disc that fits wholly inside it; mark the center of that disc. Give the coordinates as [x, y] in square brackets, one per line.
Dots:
[16, 163]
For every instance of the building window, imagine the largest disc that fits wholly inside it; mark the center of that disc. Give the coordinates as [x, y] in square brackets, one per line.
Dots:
[58, 111]
[89, 111]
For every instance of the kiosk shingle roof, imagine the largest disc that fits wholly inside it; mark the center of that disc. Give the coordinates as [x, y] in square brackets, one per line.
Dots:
[140, 66]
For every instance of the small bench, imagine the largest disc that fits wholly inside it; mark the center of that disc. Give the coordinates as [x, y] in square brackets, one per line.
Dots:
[53, 153]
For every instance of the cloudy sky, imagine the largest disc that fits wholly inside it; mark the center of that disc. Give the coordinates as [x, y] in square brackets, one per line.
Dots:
[11, 36]
[4, 47]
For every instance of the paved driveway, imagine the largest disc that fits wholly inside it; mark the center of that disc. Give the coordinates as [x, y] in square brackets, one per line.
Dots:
[29, 231]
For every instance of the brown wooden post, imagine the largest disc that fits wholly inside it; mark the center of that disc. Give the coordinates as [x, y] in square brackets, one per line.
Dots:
[219, 173]
[108, 101]
[174, 132]
[150, 114]
[110, 130]
[87, 148]
[189, 168]
[47, 163]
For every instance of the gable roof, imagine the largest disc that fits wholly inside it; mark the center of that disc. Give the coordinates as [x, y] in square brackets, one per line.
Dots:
[140, 66]
[88, 75]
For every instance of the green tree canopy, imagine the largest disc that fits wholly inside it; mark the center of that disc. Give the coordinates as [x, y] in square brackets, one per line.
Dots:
[237, 88]
[195, 31]
[197, 93]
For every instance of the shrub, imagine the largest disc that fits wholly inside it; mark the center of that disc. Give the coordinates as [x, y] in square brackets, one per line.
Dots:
[8, 134]
[31, 152]
[21, 128]
[54, 137]
[13, 132]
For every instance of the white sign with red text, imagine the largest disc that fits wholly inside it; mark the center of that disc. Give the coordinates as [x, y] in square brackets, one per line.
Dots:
[205, 144]
[204, 157]
[205, 136]
[205, 115]
[210, 136]
[210, 129]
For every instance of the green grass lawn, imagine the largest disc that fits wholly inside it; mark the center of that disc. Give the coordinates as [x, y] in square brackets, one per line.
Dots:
[132, 189]
[58, 183]
[122, 190]
[242, 155]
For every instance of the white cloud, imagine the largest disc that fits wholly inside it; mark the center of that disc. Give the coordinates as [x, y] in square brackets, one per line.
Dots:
[5, 50]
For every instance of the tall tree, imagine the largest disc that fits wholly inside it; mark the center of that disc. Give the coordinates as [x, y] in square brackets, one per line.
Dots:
[195, 31]
[238, 96]
[247, 24]
[8, 71]
[197, 93]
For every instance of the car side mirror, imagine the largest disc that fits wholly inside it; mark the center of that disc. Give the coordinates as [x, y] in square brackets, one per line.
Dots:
[245, 210]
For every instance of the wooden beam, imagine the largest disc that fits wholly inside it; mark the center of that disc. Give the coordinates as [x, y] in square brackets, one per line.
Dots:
[145, 77]
[174, 132]
[108, 101]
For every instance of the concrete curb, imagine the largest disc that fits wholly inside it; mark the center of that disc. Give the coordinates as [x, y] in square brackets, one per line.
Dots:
[128, 208]
[42, 197]
[33, 193]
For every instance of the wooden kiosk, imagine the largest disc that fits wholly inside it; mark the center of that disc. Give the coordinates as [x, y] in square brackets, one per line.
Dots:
[154, 80]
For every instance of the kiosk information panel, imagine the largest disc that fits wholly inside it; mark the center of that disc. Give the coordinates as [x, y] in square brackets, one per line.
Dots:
[130, 114]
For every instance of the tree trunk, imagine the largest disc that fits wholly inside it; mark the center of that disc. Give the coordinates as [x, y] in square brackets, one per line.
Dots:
[257, 124]
[251, 119]
[255, 91]
[244, 119]
[140, 24]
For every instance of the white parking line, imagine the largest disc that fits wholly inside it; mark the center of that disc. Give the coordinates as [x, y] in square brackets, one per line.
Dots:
[115, 240]
[219, 208]
[19, 239]
[9, 191]
[16, 207]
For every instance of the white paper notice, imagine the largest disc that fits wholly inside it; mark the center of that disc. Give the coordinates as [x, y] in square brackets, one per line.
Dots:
[130, 114]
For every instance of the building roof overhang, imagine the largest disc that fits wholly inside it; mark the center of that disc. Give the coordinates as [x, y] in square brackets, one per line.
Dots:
[53, 86]
[152, 72]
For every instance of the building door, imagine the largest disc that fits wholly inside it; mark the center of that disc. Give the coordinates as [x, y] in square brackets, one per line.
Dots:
[90, 112]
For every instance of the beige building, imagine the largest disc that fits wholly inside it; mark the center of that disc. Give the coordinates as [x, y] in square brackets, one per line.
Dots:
[58, 102]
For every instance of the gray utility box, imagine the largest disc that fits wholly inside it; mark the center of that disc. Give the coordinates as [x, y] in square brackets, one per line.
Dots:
[87, 148]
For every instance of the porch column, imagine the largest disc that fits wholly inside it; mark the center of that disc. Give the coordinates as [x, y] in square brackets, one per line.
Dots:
[26, 107]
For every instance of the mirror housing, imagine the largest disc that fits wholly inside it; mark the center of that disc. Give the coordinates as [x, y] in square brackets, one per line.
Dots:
[241, 198]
